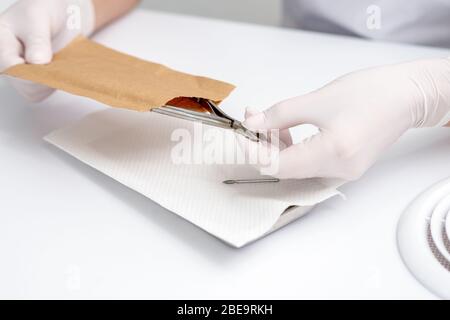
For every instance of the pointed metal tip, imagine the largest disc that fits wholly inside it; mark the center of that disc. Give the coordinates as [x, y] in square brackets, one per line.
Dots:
[229, 181]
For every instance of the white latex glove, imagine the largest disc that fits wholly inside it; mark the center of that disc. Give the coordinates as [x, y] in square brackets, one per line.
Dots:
[32, 30]
[359, 115]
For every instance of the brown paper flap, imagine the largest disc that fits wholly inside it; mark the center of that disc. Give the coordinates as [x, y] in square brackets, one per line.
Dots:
[86, 68]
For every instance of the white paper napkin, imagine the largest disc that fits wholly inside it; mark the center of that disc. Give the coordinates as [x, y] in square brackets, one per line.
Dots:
[136, 150]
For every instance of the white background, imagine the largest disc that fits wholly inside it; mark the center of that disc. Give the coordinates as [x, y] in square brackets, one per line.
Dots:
[255, 11]
[67, 231]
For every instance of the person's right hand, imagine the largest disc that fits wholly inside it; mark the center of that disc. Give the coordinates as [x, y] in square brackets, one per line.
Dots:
[32, 30]
[359, 116]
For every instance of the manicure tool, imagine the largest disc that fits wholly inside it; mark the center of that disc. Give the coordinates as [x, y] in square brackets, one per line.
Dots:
[211, 115]
[208, 113]
[245, 181]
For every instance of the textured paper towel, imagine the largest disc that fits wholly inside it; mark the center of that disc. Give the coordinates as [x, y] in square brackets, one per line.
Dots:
[86, 68]
[135, 149]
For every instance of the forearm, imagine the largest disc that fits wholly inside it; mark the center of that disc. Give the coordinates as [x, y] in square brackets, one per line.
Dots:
[109, 10]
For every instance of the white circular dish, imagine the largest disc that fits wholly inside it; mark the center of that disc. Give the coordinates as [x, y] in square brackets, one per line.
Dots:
[420, 245]
[437, 228]
[447, 228]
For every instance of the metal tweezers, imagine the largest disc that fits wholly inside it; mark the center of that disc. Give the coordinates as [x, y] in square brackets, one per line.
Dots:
[214, 117]
[217, 118]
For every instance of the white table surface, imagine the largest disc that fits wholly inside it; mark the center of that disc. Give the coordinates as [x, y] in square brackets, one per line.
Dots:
[67, 231]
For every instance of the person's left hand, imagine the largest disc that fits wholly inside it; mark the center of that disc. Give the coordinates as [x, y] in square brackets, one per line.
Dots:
[32, 30]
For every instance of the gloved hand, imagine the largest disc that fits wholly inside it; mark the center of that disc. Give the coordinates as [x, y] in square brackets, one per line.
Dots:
[359, 115]
[32, 30]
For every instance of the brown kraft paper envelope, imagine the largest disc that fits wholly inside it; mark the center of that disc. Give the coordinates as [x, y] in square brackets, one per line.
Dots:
[86, 68]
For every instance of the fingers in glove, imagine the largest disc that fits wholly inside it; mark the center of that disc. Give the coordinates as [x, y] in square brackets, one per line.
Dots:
[284, 134]
[289, 113]
[11, 50]
[321, 156]
[37, 43]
